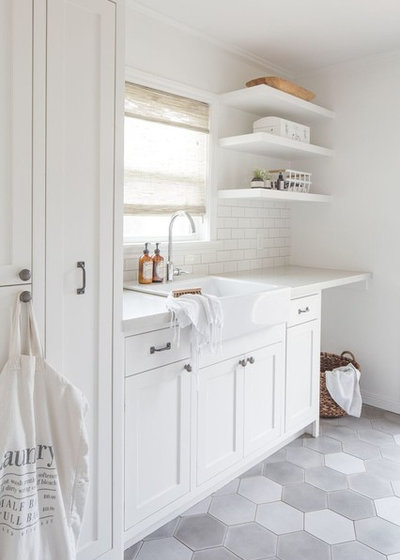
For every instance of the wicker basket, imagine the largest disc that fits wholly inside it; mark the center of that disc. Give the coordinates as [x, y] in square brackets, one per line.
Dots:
[327, 406]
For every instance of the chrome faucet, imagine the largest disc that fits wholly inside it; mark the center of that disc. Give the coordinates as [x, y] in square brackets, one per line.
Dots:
[170, 264]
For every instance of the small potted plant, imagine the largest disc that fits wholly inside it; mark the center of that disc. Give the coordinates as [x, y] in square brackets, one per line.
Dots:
[257, 181]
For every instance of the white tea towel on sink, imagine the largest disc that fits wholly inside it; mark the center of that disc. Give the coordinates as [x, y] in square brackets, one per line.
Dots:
[343, 384]
[203, 313]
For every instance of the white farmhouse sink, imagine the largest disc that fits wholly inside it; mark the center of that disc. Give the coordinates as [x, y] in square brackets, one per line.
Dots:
[247, 306]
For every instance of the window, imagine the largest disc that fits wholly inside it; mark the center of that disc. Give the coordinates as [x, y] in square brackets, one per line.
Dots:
[166, 162]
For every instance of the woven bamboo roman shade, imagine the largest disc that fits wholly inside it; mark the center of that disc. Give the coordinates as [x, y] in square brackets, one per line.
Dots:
[166, 144]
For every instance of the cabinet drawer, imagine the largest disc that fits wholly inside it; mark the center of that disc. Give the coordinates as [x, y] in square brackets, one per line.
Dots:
[154, 349]
[304, 309]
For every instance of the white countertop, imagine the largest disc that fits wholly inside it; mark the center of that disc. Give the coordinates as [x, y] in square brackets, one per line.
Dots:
[143, 312]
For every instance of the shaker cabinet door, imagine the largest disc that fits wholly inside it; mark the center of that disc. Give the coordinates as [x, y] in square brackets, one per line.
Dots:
[80, 93]
[15, 139]
[157, 440]
[219, 418]
[263, 397]
[302, 375]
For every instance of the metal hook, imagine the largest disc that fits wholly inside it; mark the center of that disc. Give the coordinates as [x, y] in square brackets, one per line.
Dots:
[25, 297]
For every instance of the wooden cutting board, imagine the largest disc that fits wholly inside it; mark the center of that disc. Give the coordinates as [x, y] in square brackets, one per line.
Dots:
[283, 85]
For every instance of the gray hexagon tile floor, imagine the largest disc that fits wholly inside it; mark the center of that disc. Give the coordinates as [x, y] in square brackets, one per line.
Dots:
[336, 497]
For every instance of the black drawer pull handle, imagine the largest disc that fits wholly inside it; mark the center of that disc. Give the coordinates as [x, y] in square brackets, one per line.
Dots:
[188, 368]
[242, 362]
[153, 349]
[305, 310]
[251, 360]
[81, 265]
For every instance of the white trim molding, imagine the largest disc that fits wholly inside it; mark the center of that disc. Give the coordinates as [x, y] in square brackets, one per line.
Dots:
[380, 401]
[243, 54]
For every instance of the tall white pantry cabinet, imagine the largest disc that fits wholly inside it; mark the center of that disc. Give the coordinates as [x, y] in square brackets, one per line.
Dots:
[61, 81]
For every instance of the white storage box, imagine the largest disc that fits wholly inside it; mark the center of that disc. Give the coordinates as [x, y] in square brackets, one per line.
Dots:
[282, 127]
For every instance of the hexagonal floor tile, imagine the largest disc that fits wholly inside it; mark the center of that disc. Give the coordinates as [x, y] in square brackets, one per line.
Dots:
[342, 433]
[351, 504]
[305, 497]
[394, 557]
[396, 487]
[220, 553]
[279, 518]
[232, 509]
[200, 507]
[230, 488]
[131, 552]
[303, 457]
[324, 444]
[302, 546]
[355, 551]
[327, 479]
[355, 423]
[391, 452]
[257, 470]
[277, 457]
[384, 468]
[284, 472]
[251, 541]
[165, 531]
[200, 531]
[260, 490]
[329, 526]
[361, 449]
[344, 463]
[389, 509]
[379, 535]
[167, 549]
[386, 426]
[370, 485]
[376, 437]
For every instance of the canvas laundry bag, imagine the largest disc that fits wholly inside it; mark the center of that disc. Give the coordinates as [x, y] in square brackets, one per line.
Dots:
[43, 453]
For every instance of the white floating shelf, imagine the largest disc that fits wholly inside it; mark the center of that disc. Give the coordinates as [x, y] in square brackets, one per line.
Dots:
[264, 100]
[263, 143]
[268, 194]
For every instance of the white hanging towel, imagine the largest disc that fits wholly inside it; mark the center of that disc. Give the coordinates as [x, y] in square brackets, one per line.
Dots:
[43, 454]
[343, 384]
[203, 313]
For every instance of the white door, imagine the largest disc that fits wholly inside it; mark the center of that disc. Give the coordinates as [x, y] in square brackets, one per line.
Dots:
[263, 397]
[15, 138]
[80, 86]
[219, 418]
[157, 440]
[302, 375]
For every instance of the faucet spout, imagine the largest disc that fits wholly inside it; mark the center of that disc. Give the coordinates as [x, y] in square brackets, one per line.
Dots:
[170, 265]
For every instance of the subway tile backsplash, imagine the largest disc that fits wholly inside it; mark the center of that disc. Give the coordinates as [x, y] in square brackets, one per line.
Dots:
[252, 235]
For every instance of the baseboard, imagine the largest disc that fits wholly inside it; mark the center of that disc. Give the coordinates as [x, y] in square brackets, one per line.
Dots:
[380, 402]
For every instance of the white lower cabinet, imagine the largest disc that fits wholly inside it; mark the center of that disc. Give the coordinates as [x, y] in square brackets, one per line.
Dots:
[187, 435]
[302, 369]
[219, 418]
[263, 397]
[239, 408]
[157, 440]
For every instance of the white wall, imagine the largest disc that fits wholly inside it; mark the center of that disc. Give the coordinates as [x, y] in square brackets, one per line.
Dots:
[360, 230]
[160, 49]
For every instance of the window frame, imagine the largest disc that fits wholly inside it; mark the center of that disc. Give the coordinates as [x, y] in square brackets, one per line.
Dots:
[209, 229]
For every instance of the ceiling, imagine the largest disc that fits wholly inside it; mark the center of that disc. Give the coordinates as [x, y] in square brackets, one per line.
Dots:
[296, 35]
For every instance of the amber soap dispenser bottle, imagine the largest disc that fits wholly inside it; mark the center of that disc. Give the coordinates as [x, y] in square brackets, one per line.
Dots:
[158, 265]
[145, 267]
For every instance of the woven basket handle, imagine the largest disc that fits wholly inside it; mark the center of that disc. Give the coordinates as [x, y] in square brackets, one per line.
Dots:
[343, 355]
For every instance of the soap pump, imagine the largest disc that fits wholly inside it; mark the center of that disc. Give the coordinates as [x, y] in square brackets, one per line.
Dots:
[158, 265]
[145, 266]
